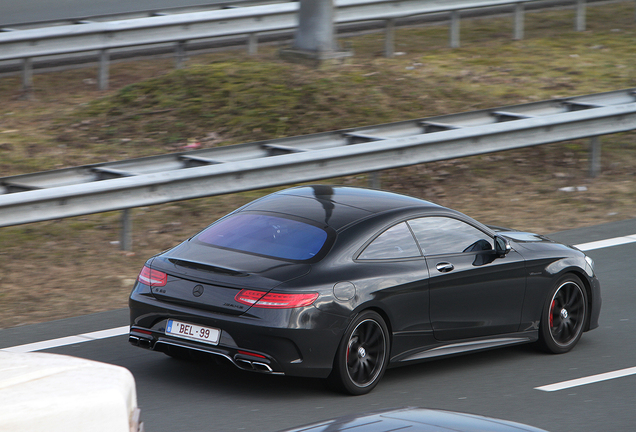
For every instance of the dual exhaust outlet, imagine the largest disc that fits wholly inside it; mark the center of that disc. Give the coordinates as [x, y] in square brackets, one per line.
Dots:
[253, 365]
[140, 342]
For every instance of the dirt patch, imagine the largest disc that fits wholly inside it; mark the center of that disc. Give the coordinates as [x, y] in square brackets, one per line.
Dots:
[74, 266]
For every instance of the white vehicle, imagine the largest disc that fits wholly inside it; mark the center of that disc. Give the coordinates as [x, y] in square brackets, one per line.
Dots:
[57, 393]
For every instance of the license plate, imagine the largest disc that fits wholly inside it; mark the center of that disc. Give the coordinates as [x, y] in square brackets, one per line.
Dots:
[193, 332]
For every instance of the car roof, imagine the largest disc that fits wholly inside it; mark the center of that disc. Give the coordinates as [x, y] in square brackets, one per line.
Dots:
[335, 206]
[415, 420]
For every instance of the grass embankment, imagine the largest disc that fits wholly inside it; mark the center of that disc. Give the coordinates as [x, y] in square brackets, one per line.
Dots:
[63, 268]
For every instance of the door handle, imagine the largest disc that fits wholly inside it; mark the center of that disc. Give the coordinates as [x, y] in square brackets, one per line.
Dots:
[445, 267]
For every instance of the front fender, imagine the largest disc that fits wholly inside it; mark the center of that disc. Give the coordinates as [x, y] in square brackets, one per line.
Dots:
[542, 276]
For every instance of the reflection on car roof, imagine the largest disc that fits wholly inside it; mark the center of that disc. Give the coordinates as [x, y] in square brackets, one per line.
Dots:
[335, 206]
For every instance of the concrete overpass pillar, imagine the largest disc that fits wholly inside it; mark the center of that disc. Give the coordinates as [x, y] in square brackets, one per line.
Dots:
[315, 41]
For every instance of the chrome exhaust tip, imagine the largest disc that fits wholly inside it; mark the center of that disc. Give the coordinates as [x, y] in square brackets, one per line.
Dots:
[253, 366]
[262, 367]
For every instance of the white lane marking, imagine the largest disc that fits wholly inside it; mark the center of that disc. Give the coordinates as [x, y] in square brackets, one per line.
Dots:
[588, 380]
[69, 340]
[616, 241]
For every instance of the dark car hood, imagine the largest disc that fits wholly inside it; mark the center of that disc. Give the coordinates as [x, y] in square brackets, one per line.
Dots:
[531, 241]
[221, 274]
[520, 236]
[416, 420]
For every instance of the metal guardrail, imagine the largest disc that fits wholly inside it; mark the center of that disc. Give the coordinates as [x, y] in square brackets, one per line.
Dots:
[81, 16]
[173, 177]
[179, 29]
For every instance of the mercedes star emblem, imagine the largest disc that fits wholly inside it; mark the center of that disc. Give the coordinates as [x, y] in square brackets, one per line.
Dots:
[197, 291]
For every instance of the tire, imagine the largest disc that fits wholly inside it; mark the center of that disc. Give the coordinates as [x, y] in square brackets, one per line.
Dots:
[563, 317]
[362, 355]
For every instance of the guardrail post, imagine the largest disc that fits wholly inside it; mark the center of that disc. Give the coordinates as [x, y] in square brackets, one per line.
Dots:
[125, 238]
[252, 44]
[389, 38]
[104, 64]
[180, 55]
[519, 11]
[374, 180]
[595, 156]
[27, 75]
[454, 29]
[580, 15]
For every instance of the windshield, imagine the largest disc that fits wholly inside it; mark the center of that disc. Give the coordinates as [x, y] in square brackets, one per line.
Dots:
[266, 235]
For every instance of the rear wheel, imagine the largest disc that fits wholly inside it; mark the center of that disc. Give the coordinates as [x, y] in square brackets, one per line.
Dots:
[563, 317]
[362, 356]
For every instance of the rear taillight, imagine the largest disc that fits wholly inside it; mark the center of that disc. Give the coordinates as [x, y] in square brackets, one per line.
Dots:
[262, 299]
[153, 278]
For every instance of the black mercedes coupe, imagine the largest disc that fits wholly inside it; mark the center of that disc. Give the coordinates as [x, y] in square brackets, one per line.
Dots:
[341, 283]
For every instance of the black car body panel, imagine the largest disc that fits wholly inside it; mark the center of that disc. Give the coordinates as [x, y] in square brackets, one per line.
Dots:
[433, 304]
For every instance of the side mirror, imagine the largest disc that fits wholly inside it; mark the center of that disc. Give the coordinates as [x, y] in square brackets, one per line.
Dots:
[502, 246]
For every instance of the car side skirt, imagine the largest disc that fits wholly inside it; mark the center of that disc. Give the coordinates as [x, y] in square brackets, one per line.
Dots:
[464, 346]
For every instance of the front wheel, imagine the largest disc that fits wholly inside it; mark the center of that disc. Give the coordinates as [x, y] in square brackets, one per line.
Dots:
[563, 316]
[362, 356]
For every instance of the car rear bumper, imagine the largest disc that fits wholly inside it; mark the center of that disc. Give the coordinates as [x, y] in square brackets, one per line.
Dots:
[298, 342]
[266, 364]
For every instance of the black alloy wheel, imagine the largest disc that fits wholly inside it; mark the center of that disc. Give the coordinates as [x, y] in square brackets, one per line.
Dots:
[362, 356]
[564, 315]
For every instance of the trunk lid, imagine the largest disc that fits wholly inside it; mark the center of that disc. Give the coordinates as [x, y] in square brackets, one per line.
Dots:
[209, 278]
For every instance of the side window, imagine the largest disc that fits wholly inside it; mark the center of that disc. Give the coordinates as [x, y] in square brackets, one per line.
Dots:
[394, 243]
[443, 235]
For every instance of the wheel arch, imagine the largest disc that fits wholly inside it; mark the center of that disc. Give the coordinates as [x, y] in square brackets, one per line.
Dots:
[588, 290]
[380, 311]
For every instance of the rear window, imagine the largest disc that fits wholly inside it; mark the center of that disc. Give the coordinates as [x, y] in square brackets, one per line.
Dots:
[266, 235]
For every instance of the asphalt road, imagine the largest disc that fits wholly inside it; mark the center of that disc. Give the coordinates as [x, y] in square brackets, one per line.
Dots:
[181, 396]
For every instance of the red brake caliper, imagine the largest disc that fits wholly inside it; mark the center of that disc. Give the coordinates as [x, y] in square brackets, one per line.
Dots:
[552, 313]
